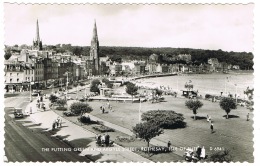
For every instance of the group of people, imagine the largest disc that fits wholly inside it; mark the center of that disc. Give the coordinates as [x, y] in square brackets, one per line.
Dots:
[199, 154]
[109, 107]
[57, 123]
[103, 139]
[40, 103]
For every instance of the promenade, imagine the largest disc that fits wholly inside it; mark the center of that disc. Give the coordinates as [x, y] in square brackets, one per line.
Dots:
[79, 138]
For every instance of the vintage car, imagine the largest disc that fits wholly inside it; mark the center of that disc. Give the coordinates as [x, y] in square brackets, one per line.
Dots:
[18, 113]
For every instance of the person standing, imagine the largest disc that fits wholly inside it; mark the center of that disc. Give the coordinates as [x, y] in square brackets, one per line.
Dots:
[169, 145]
[203, 153]
[211, 127]
[198, 152]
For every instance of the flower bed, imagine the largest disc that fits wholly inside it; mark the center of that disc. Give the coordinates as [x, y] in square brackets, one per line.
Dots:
[103, 128]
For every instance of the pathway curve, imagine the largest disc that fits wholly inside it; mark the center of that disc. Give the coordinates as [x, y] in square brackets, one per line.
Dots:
[80, 138]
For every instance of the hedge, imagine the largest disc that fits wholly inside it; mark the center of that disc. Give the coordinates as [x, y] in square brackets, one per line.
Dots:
[164, 118]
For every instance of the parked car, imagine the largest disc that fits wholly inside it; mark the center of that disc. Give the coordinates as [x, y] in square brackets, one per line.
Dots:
[18, 113]
[69, 113]
[36, 93]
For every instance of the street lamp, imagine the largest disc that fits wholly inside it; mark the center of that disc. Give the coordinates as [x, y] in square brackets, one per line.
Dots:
[30, 92]
[140, 110]
[236, 93]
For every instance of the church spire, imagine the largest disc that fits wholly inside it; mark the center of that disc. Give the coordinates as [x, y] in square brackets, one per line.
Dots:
[37, 43]
[94, 51]
[37, 32]
[95, 36]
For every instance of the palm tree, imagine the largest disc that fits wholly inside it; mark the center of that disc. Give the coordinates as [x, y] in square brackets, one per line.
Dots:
[194, 105]
[227, 104]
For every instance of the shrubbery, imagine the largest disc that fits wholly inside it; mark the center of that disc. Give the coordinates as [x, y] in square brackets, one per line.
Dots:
[103, 128]
[164, 118]
[61, 108]
[80, 108]
[222, 156]
[84, 119]
[53, 98]
[94, 86]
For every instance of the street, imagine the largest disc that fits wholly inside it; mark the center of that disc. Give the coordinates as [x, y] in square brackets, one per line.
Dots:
[25, 144]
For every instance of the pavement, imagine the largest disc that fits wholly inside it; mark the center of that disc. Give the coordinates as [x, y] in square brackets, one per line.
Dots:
[76, 136]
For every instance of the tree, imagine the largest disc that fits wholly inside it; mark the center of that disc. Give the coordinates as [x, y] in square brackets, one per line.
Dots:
[7, 54]
[131, 89]
[61, 102]
[53, 98]
[147, 131]
[80, 108]
[164, 118]
[227, 104]
[107, 82]
[194, 105]
[94, 85]
[116, 58]
[250, 96]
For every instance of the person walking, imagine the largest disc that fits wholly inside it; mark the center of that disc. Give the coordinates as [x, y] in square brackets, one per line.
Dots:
[247, 117]
[103, 138]
[211, 127]
[101, 109]
[107, 137]
[60, 122]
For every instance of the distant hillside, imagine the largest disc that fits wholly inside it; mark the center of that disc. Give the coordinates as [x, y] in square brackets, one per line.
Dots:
[243, 59]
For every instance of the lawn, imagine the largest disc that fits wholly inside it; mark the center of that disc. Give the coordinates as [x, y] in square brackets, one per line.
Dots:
[235, 134]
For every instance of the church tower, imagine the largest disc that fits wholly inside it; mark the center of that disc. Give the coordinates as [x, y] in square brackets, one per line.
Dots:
[37, 43]
[94, 51]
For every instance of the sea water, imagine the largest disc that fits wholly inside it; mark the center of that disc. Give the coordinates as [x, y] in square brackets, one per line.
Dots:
[232, 83]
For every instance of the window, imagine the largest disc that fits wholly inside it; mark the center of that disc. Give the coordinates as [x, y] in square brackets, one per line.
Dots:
[17, 74]
[17, 79]
[10, 79]
[10, 74]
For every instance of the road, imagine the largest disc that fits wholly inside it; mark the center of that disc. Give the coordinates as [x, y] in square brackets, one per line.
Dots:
[23, 143]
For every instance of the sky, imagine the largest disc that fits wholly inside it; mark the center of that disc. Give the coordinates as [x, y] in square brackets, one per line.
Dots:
[226, 27]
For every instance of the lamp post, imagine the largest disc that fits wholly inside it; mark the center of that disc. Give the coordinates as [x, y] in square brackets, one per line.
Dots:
[77, 92]
[85, 91]
[140, 110]
[236, 93]
[67, 84]
[30, 92]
